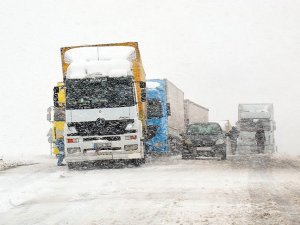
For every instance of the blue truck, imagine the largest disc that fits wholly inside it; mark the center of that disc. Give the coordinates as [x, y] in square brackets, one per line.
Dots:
[165, 120]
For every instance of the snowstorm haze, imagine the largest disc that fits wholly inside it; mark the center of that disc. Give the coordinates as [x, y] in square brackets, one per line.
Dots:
[220, 53]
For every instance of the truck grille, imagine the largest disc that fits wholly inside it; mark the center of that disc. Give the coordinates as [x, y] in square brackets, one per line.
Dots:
[108, 127]
[203, 143]
[112, 138]
[151, 131]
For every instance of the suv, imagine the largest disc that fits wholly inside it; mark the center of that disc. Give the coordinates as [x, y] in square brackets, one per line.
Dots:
[204, 139]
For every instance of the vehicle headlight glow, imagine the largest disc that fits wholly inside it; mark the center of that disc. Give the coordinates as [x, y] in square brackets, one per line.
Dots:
[220, 142]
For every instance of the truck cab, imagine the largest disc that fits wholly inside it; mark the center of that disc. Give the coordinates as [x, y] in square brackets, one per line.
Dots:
[253, 117]
[104, 103]
[158, 111]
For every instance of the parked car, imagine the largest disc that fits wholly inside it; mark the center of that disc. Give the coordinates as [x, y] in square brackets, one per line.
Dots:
[204, 139]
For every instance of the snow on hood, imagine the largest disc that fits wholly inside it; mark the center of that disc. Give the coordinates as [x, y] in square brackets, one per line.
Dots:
[118, 67]
[86, 54]
[152, 84]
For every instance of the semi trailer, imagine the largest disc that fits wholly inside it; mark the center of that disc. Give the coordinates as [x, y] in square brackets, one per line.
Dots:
[165, 119]
[194, 113]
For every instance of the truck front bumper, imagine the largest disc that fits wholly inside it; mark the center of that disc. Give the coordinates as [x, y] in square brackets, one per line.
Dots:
[103, 156]
[194, 152]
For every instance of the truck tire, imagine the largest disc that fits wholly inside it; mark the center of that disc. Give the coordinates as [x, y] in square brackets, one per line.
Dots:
[71, 165]
[186, 156]
[138, 162]
[223, 157]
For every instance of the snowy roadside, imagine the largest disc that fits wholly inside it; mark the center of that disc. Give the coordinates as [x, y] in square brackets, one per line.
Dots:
[5, 165]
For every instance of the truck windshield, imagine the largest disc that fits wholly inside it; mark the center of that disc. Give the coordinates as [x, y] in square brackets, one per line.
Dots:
[204, 129]
[103, 92]
[154, 109]
[252, 125]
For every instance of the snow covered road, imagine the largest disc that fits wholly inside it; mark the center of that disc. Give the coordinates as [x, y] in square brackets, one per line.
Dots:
[262, 190]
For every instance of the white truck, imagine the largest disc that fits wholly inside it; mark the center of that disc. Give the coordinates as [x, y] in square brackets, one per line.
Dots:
[105, 103]
[194, 113]
[252, 117]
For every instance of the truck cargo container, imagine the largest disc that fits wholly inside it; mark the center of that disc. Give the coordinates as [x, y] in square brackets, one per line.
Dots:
[194, 113]
[225, 125]
[165, 123]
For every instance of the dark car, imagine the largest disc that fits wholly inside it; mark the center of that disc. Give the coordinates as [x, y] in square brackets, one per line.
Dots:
[204, 139]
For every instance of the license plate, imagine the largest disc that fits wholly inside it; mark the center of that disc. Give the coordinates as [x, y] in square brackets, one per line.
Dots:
[101, 145]
[204, 148]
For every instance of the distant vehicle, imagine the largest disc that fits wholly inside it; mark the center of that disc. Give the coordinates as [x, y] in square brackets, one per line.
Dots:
[165, 121]
[194, 113]
[204, 139]
[225, 124]
[251, 118]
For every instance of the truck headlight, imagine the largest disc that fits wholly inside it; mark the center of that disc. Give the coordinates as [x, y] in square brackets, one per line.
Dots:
[131, 137]
[130, 147]
[220, 142]
[72, 140]
[73, 150]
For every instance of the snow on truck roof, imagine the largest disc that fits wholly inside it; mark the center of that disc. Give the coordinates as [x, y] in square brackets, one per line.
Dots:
[256, 107]
[107, 60]
[152, 84]
[115, 68]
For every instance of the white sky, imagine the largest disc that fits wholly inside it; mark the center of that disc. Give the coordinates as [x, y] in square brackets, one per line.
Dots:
[220, 53]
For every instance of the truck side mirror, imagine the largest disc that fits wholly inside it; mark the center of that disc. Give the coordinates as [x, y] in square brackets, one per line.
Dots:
[143, 95]
[49, 114]
[168, 109]
[142, 84]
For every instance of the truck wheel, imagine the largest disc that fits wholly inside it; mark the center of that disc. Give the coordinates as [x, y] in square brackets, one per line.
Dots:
[71, 165]
[138, 162]
[185, 156]
[223, 156]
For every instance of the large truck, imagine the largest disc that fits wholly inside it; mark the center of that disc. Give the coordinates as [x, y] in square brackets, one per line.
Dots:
[56, 115]
[225, 125]
[252, 117]
[105, 103]
[194, 113]
[165, 121]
